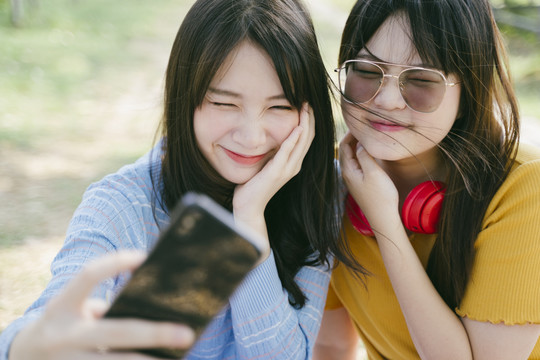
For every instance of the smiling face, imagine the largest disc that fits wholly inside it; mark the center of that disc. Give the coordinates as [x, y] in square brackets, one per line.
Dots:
[244, 116]
[410, 132]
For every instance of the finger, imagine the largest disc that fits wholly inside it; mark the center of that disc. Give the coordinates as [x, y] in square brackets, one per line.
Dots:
[287, 146]
[307, 123]
[82, 285]
[138, 334]
[366, 161]
[310, 118]
[347, 157]
[95, 308]
[347, 139]
[347, 142]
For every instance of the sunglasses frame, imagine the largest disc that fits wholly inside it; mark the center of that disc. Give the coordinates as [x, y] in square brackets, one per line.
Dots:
[377, 64]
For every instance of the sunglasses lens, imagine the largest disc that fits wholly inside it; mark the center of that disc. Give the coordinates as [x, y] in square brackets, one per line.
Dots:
[359, 81]
[422, 89]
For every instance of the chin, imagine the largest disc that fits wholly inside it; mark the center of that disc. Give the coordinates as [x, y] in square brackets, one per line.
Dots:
[238, 178]
[390, 151]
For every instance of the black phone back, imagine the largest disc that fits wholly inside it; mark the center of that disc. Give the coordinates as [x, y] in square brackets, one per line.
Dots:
[194, 268]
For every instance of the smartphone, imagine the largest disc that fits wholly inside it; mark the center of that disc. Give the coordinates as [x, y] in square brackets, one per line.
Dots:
[193, 269]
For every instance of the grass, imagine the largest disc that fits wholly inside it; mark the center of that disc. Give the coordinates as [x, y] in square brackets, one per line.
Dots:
[81, 85]
[67, 54]
[81, 95]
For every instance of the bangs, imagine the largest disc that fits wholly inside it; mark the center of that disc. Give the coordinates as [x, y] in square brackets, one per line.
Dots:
[435, 40]
[436, 36]
[291, 66]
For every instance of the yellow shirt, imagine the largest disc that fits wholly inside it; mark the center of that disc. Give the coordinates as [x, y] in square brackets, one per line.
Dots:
[505, 280]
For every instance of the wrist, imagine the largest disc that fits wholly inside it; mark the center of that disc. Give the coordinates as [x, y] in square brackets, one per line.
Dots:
[256, 223]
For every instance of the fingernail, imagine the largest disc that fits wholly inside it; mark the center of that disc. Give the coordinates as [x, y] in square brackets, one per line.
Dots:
[359, 147]
[185, 336]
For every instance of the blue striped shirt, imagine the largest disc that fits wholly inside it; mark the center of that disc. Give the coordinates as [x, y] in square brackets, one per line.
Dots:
[257, 323]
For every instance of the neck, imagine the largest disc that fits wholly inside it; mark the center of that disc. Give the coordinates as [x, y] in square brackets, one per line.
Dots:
[408, 173]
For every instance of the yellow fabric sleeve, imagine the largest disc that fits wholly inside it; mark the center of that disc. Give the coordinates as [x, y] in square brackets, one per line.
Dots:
[332, 300]
[505, 279]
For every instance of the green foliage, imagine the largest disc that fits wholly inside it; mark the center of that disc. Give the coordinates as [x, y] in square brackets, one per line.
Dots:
[73, 61]
[524, 57]
[71, 82]
[515, 2]
[62, 54]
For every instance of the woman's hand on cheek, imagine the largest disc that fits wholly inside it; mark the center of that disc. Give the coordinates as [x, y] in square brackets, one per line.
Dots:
[250, 199]
[72, 326]
[367, 182]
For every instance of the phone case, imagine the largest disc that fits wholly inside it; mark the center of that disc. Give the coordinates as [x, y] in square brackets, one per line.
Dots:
[190, 274]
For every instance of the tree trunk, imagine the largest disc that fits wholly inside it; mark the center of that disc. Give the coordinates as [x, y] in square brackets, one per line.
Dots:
[16, 12]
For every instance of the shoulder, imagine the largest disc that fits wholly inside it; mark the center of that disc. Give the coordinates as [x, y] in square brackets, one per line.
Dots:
[528, 156]
[506, 271]
[511, 219]
[136, 179]
[132, 185]
[523, 176]
[122, 205]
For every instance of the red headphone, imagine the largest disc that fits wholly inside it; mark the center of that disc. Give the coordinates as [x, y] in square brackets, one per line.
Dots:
[420, 212]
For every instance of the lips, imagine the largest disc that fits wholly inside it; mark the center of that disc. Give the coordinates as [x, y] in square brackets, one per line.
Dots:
[244, 159]
[386, 126]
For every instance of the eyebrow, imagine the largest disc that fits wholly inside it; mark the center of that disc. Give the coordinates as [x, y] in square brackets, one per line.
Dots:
[376, 59]
[236, 95]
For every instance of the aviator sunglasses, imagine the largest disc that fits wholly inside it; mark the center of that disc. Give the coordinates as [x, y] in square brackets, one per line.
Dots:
[422, 89]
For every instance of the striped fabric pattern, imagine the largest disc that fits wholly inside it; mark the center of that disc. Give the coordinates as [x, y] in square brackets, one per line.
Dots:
[258, 323]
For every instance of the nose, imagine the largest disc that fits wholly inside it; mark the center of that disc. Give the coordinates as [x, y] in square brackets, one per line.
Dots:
[389, 96]
[250, 132]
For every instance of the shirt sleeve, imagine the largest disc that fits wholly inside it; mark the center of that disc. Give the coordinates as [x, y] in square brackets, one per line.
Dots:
[504, 284]
[107, 219]
[264, 324]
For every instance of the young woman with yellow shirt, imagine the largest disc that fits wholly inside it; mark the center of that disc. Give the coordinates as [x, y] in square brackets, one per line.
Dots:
[443, 205]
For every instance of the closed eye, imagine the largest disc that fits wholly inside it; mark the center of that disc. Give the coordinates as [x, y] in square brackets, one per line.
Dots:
[282, 107]
[222, 104]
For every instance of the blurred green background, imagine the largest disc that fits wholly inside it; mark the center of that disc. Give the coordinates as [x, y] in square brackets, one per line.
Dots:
[80, 95]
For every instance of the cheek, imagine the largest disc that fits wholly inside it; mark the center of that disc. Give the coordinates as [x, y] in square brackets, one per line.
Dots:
[209, 126]
[353, 119]
[280, 127]
[442, 120]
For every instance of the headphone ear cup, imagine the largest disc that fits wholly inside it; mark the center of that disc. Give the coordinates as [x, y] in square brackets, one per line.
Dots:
[420, 212]
[357, 217]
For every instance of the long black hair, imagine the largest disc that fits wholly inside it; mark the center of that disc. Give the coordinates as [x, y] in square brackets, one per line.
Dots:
[459, 37]
[300, 217]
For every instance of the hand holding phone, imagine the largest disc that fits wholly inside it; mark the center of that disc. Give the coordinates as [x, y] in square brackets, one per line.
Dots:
[192, 271]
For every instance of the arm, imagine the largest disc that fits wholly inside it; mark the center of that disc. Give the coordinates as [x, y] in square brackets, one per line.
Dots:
[64, 320]
[435, 329]
[260, 302]
[499, 342]
[250, 199]
[337, 337]
[71, 325]
[259, 321]
[266, 325]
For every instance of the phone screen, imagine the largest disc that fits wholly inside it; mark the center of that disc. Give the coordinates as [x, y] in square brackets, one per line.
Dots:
[192, 271]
